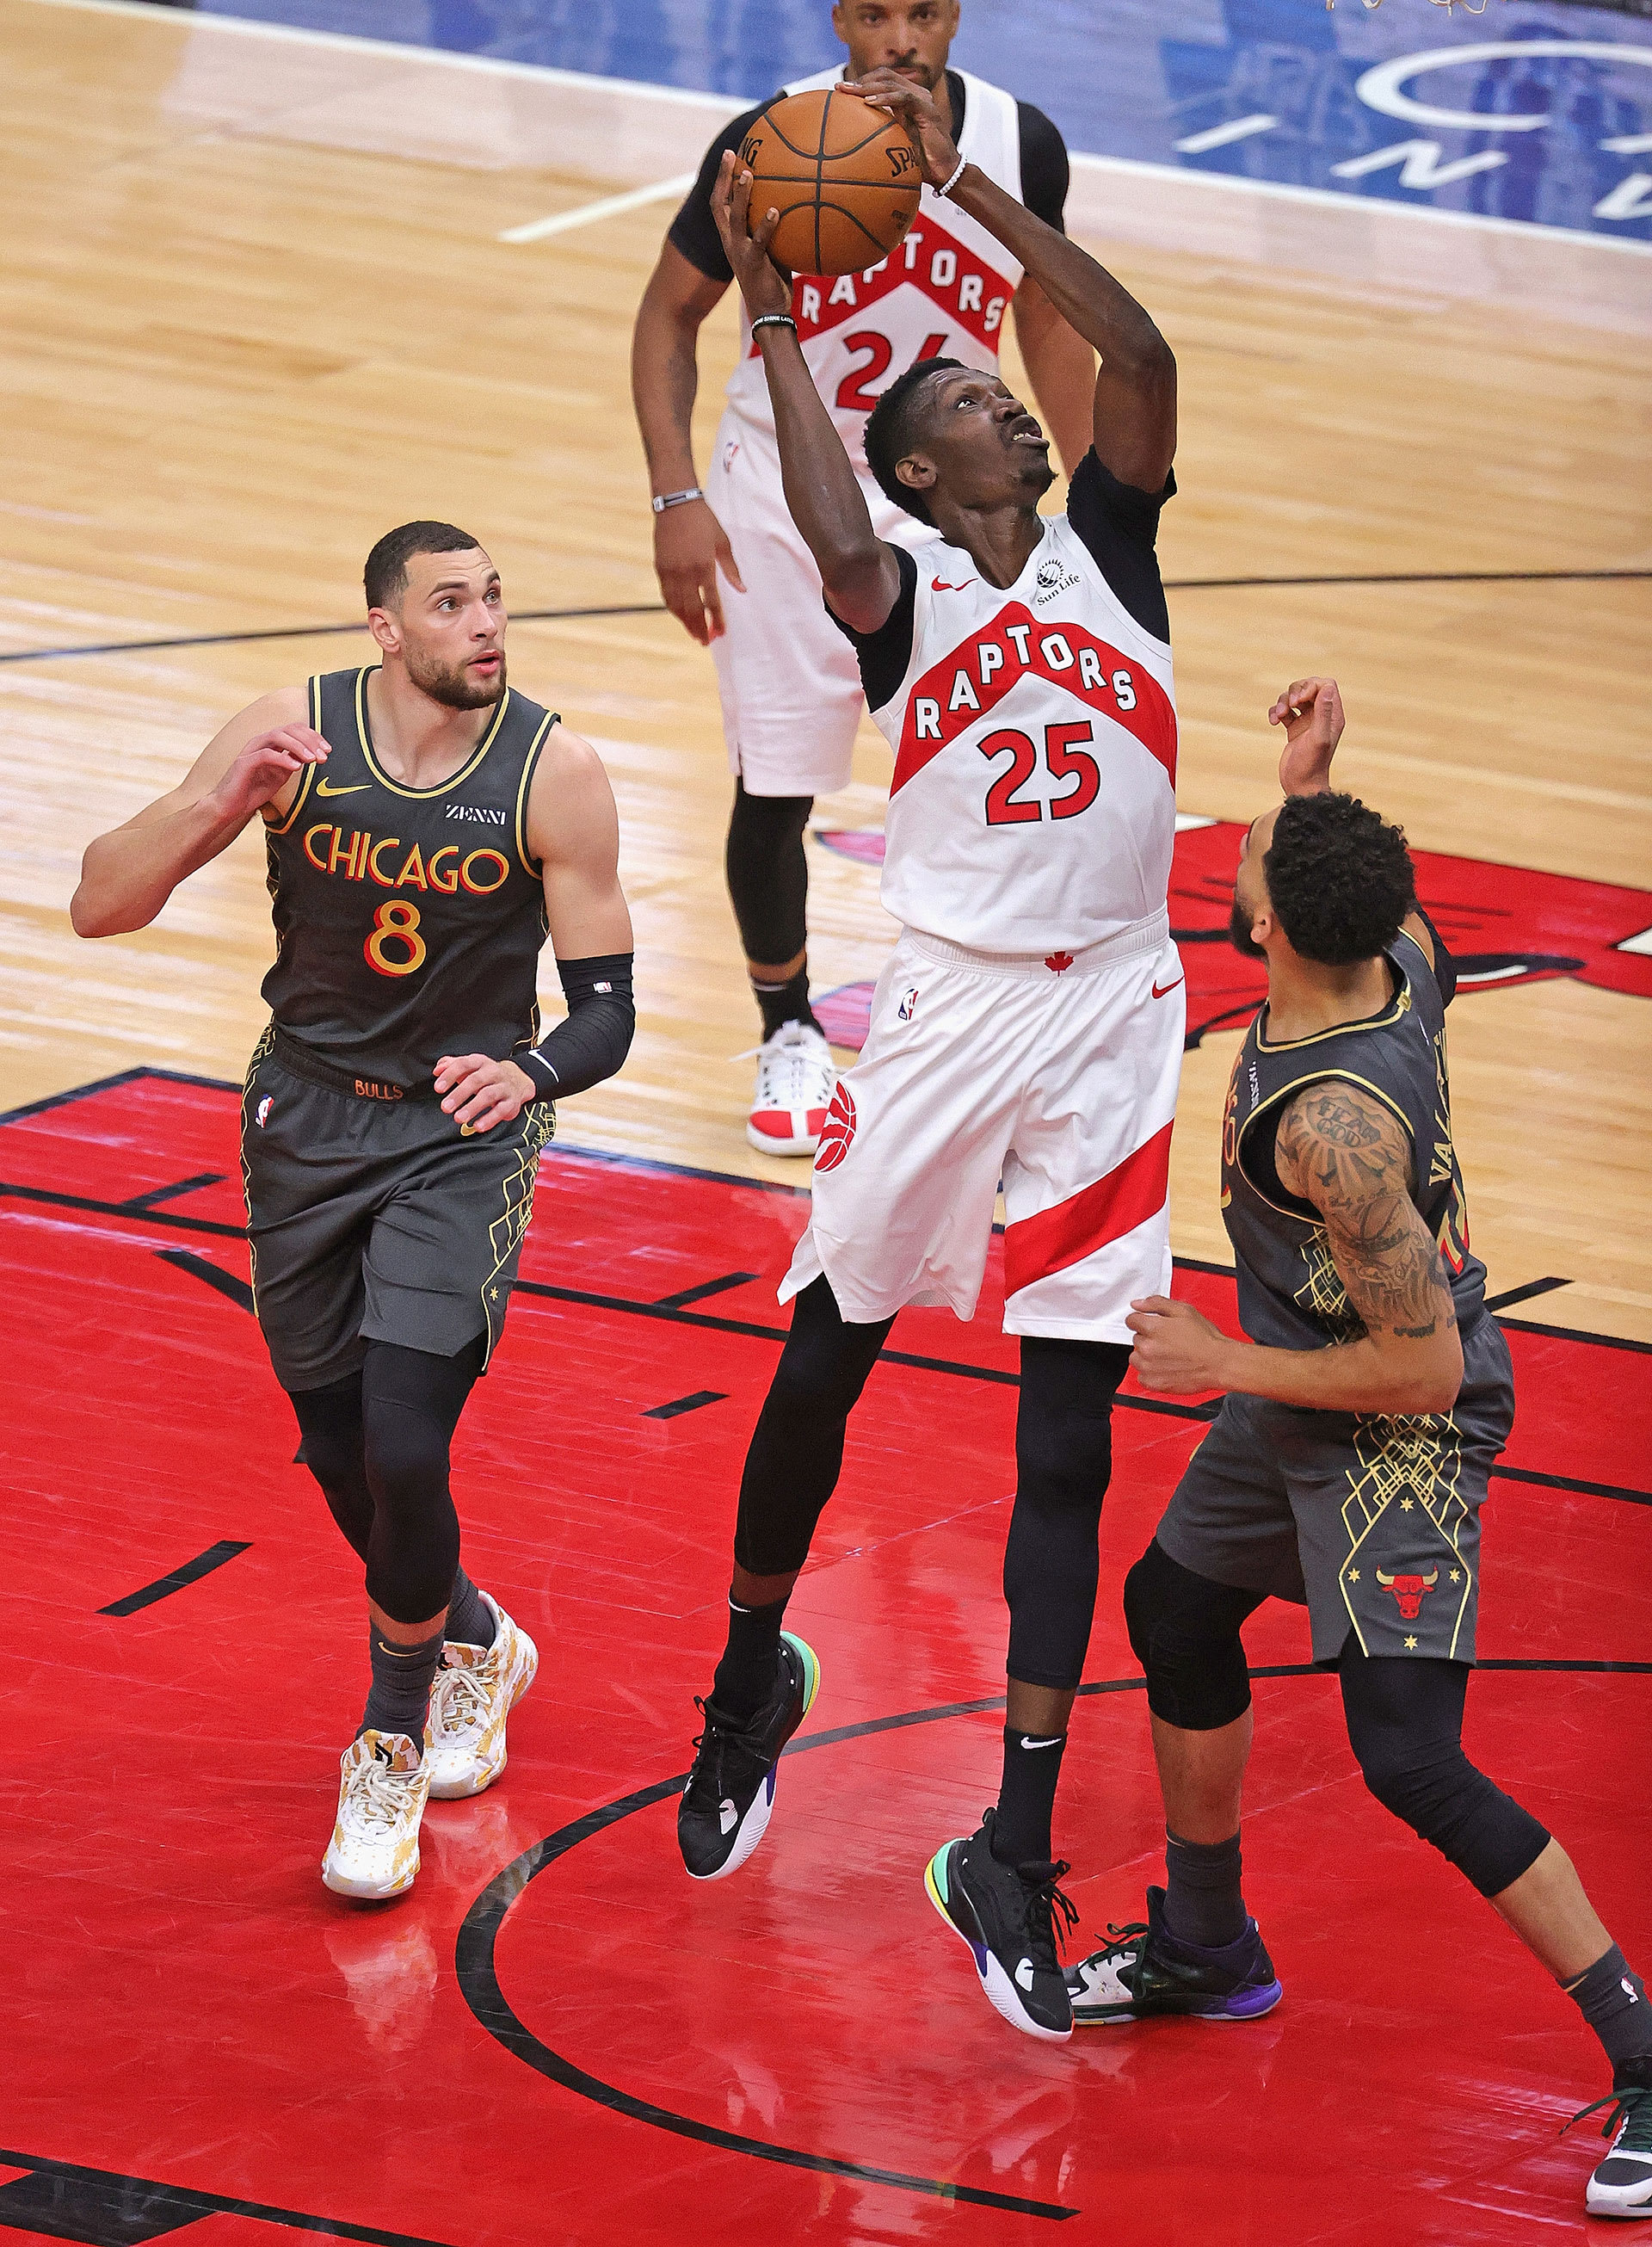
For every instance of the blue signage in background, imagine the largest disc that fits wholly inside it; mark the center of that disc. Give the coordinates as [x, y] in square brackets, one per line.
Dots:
[1538, 110]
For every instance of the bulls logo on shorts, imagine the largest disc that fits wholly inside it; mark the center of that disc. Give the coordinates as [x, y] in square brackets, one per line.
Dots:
[838, 1132]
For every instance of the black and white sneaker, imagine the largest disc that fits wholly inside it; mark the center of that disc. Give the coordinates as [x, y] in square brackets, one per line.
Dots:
[1144, 1972]
[731, 1789]
[1621, 2184]
[1006, 1914]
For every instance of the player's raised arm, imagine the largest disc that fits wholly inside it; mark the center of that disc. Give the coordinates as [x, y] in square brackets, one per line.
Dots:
[822, 492]
[1135, 410]
[127, 875]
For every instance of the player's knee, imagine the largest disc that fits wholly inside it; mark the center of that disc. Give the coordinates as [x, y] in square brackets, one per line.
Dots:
[406, 1453]
[1185, 1631]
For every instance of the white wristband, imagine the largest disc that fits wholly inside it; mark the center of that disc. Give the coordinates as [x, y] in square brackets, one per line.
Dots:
[963, 166]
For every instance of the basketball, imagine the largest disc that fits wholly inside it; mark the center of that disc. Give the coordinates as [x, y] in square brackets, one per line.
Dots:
[843, 176]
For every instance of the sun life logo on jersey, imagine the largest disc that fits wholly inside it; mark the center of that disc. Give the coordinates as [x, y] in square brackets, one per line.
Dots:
[264, 1106]
[1054, 578]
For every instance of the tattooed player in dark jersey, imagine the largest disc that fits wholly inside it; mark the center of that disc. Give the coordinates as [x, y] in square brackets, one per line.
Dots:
[427, 827]
[1346, 1467]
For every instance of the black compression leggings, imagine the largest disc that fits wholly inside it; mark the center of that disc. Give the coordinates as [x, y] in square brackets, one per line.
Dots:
[1063, 1455]
[769, 874]
[378, 1443]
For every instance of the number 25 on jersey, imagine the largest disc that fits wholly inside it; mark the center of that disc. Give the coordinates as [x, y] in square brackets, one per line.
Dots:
[1064, 759]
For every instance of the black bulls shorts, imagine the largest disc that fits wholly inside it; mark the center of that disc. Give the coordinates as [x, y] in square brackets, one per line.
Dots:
[375, 1220]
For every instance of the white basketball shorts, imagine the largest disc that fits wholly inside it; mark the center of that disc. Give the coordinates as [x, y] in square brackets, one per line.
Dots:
[787, 679]
[1058, 1077]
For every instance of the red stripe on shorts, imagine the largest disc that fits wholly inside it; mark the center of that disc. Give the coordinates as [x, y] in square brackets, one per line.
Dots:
[1076, 1229]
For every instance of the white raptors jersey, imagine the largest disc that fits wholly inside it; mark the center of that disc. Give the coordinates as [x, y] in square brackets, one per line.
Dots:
[941, 293]
[1033, 805]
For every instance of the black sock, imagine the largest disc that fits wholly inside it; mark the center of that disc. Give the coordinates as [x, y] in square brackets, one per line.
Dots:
[744, 1677]
[399, 1700]
[1026, 1798]
[469, 1619]
[1203, 1901]
[1612, 1998]
[780, 1003]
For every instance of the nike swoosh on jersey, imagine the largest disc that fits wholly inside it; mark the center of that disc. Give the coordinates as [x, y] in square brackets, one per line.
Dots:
[1165, 992]
[941, 586]
[325, 788]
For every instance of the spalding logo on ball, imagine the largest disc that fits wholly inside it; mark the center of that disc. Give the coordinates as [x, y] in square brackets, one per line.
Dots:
[843, 176]
[838, 1130]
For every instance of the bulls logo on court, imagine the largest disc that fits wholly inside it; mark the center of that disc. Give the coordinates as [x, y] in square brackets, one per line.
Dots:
[1409, 1591]
[837, 1133]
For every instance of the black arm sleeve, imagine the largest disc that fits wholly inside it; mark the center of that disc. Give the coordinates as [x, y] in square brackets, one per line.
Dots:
[1045, 173]
[596, 1037]
[1444, 966]
[1119, 526]
[884, 654]
[693, 231]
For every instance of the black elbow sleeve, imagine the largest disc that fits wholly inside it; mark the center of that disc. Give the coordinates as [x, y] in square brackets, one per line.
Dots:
[592, 1042]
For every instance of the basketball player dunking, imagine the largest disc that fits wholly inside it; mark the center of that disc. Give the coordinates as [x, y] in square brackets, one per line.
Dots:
[791, 693]
[426, 827]
[1347, 1465]
[1028, 1026]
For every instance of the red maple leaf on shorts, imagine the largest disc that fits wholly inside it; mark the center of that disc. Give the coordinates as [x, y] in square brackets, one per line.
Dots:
[1059, 962]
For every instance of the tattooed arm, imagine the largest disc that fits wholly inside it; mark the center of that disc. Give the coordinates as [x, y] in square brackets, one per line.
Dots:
[1346, 1153]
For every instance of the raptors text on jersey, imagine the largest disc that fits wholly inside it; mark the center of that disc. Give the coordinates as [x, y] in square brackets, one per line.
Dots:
[941, 293]
[1032, 806]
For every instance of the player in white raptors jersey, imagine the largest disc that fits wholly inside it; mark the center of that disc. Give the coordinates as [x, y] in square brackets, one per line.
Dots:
[791, 694]
[1028, 1027]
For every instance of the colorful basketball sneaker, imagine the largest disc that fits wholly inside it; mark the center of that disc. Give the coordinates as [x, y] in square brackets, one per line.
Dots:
[1006, 1914]
[475, 1690]
[374, 1849]
[795, 1077]
[1621, 2184]
[730, 1792]
[1144, 1972]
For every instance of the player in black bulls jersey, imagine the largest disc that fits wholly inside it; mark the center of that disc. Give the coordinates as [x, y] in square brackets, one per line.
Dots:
[427, 827]
[1346, 1467]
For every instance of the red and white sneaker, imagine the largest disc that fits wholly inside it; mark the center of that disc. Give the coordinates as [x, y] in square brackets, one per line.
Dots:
[795, 1079]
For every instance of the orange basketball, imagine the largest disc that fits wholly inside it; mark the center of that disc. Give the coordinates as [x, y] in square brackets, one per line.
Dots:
[843, 176]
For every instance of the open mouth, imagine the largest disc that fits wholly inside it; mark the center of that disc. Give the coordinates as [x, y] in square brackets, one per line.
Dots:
[1023, 429]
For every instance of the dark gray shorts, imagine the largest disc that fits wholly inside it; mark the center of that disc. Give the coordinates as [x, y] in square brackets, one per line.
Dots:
[1373, 1524]
[374, 1220]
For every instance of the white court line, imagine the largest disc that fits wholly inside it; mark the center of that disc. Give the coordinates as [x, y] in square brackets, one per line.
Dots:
[1217, 136]
[1374, 206]
[539, 230]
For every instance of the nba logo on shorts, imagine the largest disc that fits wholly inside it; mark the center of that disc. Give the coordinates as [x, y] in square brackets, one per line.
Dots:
[839, 1130]
[908, 1005]
[265, 1106]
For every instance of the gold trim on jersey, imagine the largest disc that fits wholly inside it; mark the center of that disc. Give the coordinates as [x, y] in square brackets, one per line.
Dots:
[420, 794]
[1289, 1092]
[507, 1232]
[552, 718]
[284, 826]
[1398, 1006]
[1418, 1460]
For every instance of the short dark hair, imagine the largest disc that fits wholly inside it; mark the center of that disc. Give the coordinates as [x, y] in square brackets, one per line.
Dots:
[891, 433]
[386, 575]
[1339, 877]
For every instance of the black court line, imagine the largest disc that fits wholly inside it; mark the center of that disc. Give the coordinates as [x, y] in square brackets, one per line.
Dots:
[191, 1573]
[199, 1269]
[101, 2207]
[682, 1299]
[138, 1203]
[680, 1404]
[478, 1976]
[1511, 1295]
[657, 608]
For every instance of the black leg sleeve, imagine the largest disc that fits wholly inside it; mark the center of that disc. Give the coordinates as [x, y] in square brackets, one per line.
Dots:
[330, 1423]
[797, 1451]
[1063, 1463]
[1184, 1629]
[769, 874]
[1405, 1725]
[411, 1404]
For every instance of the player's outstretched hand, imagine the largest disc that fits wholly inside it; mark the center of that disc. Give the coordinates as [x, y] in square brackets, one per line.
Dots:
[480, 1093]
[1176, 1347]
[1311, 712]
[690, 547]
[745, 239]
[264, 767]
[915, 106]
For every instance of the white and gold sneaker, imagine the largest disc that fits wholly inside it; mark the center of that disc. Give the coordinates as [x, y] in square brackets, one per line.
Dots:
[475, 1691]
[374, 1849]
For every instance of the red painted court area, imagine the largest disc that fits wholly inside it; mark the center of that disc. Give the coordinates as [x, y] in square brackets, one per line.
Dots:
[557, 2038]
